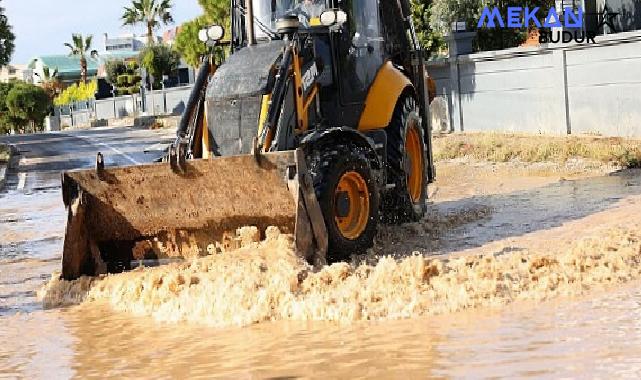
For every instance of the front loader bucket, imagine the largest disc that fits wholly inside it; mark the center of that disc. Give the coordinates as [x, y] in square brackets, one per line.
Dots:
[119, 216]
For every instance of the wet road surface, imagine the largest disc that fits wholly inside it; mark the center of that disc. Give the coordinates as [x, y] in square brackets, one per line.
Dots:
[598, 335]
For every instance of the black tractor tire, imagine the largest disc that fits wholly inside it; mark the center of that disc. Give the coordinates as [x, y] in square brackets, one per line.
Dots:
[398, 205]
[330, 165]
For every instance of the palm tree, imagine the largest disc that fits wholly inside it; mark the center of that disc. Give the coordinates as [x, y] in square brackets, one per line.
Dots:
[48, 75]
[149, 12]
[79, 48]
[50, 81]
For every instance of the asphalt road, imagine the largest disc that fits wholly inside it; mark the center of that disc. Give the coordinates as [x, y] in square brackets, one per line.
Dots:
[44, 156]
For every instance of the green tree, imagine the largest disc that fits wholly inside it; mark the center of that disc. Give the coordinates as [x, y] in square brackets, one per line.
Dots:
[159, 60]
[125, 76]
[430, 39]
[28, 103]
[187, 42]
[216, 11]
[152, 13]
[7, 39]
[6, 121]
[80, 47]
[444, 12]
[9, 121]
[115, 68]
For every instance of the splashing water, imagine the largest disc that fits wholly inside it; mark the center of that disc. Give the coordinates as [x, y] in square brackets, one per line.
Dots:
[265, 281]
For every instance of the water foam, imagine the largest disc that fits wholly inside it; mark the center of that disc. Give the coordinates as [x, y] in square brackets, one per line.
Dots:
[266, 282]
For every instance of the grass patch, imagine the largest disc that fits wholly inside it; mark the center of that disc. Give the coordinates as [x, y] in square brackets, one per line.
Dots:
[506, 147]
[5, 153]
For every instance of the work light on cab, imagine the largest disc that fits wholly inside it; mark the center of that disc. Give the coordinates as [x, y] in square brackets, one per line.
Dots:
[213, 33]
[216, 32]
[333, 17]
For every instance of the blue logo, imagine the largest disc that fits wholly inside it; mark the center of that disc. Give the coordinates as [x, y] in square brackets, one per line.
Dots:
[523, 17]
[519, 17]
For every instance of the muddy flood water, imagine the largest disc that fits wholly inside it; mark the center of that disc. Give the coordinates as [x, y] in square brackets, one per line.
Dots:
[516, 272]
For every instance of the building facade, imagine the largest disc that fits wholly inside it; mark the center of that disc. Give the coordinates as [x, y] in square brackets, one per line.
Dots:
[11, 73]
[128, 43]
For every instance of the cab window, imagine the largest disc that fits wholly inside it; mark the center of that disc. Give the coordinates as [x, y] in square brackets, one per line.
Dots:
[362, 49]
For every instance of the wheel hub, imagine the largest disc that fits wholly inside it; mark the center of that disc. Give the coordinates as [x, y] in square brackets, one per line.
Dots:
[414, 165]
[351, 204]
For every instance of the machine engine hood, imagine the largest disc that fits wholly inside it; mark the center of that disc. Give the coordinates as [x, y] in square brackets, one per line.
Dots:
[246, 73]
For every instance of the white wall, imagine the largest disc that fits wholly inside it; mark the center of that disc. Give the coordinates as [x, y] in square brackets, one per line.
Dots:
[593, 89]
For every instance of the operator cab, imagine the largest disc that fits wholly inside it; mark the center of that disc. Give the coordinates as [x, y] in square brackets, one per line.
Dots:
[349, 53]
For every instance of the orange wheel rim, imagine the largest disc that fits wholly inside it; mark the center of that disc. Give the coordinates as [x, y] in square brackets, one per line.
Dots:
[352, 188]
[414, 153]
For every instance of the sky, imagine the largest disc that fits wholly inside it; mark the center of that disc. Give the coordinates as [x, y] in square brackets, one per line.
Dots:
[43, 26]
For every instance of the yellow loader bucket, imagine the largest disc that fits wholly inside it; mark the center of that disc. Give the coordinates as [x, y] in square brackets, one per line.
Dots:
[119, 216]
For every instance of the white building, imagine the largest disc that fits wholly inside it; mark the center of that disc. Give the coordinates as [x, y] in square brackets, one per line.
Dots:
[10, 73]
[125, 42]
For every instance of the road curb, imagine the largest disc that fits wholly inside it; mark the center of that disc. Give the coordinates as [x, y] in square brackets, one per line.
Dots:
[11, 163]
[3, 175]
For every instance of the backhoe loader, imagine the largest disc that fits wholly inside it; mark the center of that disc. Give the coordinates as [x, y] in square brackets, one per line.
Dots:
[316, 123]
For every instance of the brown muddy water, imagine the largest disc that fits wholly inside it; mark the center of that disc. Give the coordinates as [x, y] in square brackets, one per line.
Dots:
[515, 273]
